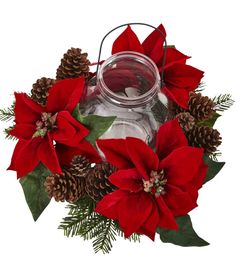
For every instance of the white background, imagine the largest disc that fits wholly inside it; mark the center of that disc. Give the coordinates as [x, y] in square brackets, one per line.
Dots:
[33, 37]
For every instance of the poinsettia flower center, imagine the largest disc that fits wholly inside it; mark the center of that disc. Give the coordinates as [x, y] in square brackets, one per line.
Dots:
[45, 124]
[156, 184]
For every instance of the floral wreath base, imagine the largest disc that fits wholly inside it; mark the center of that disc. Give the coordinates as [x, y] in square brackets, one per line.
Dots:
[133, 190]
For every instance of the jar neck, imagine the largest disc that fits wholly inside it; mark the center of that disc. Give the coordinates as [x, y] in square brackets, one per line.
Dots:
[130, 60]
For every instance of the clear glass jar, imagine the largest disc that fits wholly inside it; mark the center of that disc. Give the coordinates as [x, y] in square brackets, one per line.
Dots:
[127, 86]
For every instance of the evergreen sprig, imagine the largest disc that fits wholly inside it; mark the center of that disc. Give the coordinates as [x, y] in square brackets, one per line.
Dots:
[223, 102]
[7, 114]
[8, 135]
[83, 221]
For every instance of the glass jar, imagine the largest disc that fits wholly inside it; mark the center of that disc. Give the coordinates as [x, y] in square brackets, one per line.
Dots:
[127, 86]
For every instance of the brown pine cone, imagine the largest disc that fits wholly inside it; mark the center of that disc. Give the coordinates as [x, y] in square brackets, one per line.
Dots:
[205, 137]
[200, 107]
[186, 120]
[63, 187]
[39, 92]
[97, 183]
[73, 64]
[70, 185]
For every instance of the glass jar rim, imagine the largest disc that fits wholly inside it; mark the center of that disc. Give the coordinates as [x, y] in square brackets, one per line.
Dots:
[123, 100]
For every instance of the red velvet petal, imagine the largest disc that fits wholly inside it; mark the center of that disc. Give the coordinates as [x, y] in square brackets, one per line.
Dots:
[69, 131]
[64, 95]
[200, 175]
[24, 158]
[26, 110]
[173, 56]
[183, 77]
[66, 153]
[150, 225]
[178, 201]
[129, 179]
[142, 156]
[182, 164]
[23, 131]
[115, 152]
[134, 210]
[127, 41]
[153, 44]
[75, 95]
[179, 96]
[47, 155]
[169, 137]
[108, 205]
[64, 131]
[167, 220]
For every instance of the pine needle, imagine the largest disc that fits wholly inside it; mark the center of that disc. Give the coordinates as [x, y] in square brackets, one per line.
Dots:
[223, 102]
[8, 113]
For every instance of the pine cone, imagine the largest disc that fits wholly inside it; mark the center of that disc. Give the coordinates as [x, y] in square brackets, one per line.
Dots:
[63, 187]
[73, 64]
[200, 107]
[205, 137]
[186, 120]
[70, 185]
[39, 92]
[174, 109]
[97, 183]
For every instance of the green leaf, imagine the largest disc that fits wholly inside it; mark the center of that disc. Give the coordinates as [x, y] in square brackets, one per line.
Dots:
[97, 125]
[185, 236]
[213, 167]
[33, 187]
[211, 121]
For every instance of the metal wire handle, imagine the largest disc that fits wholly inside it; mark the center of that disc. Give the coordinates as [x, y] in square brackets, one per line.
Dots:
[145, 24]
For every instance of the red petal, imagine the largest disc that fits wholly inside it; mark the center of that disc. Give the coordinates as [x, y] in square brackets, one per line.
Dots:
[173, 56]
[150, 225]
[178, 201]
[179, 96]
[47, 155]
[167, 220]
[169, 137]
[128, 179]
[127, 41]
[64, 95]
[183, 77]
[26, 110]
[24, 158]
[153, 44]
[23, 131]
[108, 205]
[115, 152]
[144, 159]
[66, 153]
[182, 164]
[69, 131]
[134, 210]
[200, 175]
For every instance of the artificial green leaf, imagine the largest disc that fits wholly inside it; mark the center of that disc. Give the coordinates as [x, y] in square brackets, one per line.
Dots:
[185, 236]
[211, 121]
[213, 167]
[96, 124]
[33, 187]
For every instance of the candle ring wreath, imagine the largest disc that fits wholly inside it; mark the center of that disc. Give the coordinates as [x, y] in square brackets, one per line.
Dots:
[128, 146]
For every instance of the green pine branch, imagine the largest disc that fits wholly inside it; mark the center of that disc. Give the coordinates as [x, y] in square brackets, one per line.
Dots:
[84, 222]
[200, 87]
[223, 102]
[8, 113]
[8, 135]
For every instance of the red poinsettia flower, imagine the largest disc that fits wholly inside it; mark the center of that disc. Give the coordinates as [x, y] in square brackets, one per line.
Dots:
[38, 128]
[179, 78]
[153, 188]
